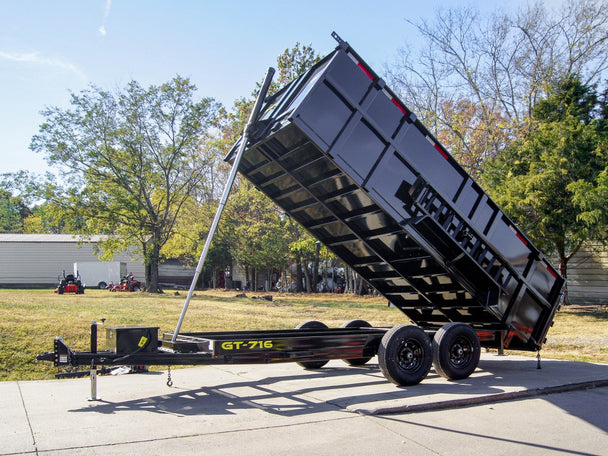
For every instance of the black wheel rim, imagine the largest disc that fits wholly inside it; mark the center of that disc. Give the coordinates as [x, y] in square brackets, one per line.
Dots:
[411, 355]
[461, 352]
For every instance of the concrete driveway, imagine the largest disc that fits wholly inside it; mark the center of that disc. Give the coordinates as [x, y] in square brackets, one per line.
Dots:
[507, 406]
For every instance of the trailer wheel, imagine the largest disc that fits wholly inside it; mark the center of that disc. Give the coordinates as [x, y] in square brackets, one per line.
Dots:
[405, 355]
[456, 351]
[356, 324]
[102, 285]
[312, 324]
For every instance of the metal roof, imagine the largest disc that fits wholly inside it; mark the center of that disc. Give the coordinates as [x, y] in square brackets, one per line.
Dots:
[46, 238]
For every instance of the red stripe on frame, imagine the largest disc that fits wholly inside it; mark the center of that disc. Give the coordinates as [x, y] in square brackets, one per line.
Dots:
[401, 108]
[367, 73]
[552, 272]
[443, 154]
[521, 238]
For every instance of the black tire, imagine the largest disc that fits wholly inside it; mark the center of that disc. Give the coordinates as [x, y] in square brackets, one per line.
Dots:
[456, 351]
[60, 290]
[405, 355]
[102, 285]
[312, 324]
[356, 324]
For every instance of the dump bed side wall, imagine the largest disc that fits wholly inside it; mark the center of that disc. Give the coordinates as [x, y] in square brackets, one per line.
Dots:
[347, 159]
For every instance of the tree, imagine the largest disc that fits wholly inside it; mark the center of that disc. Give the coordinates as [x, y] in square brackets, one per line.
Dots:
[12, 213]
[292, 63]
[591, 197]
[552, 180]
[302, 249]
[254, 230]
[467, 135]
[502, 66]
[129, 161]
[191, 228]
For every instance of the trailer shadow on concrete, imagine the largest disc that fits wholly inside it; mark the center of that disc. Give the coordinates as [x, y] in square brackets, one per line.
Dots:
[296, 392]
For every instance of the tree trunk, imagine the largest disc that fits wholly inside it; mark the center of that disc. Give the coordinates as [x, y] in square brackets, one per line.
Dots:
[315, 267]
[298, 274]
[151, 262]
[308, 279]
[359, 285]
[563, 270]
[348, 283]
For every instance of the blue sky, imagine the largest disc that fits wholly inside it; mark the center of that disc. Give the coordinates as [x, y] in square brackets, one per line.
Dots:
[49, 48]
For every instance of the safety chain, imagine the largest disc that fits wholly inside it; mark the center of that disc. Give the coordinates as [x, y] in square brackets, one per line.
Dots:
[169, 381]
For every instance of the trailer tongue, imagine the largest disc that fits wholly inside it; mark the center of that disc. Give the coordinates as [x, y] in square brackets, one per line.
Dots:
[340, 153]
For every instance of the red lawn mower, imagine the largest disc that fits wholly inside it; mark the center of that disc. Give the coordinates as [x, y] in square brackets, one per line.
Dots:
[69, 284]
[127, 283]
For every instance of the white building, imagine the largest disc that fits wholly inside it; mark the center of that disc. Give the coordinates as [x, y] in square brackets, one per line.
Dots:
[35, 260]
[588, 276]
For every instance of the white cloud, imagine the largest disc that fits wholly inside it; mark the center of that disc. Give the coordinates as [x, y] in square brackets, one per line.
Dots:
[37, 59]
[107, 9]
[106, 13]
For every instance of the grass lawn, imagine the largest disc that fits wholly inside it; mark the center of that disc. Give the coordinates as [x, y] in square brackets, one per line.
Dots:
[31, 319]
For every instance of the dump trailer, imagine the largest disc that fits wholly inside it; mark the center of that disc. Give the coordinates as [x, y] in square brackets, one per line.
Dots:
[345, 157]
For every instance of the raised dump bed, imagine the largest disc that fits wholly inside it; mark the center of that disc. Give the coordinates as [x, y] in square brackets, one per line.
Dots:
[341, 154]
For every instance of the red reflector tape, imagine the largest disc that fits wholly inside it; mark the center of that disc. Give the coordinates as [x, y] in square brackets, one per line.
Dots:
[518, 234]
[401, 108]
[521, 238]
[438, 149]
[365, 70]
[552, 272]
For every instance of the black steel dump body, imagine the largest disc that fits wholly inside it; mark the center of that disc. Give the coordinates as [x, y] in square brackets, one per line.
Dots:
[340, 153]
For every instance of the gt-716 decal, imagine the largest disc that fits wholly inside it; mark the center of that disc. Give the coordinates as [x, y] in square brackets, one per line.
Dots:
[247, 344]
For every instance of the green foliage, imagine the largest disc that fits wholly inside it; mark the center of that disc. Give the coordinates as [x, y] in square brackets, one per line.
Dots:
[551, 181]
[11, 213]
[290, 64]
[592, 199]
[14, 205]
[254, 230]
[293, 62]
[129, 162]
[570, 99]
